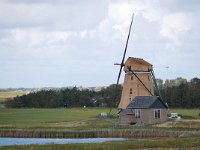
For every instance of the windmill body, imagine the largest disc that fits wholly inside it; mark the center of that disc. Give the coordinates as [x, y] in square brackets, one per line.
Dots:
[138, 104]
[135, 68]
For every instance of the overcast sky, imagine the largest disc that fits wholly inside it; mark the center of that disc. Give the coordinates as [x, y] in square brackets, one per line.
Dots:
[76, 42]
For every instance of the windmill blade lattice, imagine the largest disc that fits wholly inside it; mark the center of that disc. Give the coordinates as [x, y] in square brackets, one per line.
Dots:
[122, 63]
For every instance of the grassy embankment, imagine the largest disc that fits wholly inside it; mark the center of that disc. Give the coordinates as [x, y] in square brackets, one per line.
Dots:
[180, 143]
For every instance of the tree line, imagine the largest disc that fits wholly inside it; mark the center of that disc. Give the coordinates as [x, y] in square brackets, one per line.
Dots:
[68, 97]
[178, 93]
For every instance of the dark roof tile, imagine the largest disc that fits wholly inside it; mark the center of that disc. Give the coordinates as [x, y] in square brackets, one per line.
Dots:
[146, 102]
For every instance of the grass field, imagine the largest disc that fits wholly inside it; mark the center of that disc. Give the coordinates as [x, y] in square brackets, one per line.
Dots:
[187, 113]
[52, 118]
[72, 118]
[180, 143]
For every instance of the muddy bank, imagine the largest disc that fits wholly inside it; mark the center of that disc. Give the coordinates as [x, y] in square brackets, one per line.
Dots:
[121, 133]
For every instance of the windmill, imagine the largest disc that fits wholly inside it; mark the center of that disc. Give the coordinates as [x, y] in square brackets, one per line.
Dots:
[139, 82]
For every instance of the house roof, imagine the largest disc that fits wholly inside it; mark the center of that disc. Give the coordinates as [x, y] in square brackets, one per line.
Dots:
[147, 102]
[126, 111]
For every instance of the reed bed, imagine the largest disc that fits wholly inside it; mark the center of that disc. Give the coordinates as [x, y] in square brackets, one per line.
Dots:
[104, 133]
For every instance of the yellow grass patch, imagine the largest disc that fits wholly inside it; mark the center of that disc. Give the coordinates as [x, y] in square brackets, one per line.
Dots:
[6, 95]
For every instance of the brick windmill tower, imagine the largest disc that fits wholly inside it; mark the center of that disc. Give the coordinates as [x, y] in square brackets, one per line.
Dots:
[138, 102]
[137, 81]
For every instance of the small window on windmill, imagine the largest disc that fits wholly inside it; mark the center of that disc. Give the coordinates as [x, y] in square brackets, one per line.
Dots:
[131, 91]
[131, 77]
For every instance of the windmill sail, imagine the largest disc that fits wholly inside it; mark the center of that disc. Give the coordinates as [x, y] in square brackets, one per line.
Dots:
[122, 63]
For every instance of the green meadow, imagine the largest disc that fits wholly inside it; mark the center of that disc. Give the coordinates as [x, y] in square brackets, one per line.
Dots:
[187, 113]
[53, 118]
[71, 118]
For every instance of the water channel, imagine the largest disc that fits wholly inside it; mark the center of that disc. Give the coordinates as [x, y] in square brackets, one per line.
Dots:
[28, 141]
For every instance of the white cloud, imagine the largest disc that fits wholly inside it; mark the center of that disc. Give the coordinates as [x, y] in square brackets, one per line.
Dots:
[115, 25]
[39, 43]
[34, 37]
[174, 26]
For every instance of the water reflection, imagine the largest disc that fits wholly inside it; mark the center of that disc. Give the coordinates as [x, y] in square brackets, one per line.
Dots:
[27, 141]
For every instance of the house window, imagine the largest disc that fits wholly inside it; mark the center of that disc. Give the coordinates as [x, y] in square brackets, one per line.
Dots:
[156, 113]
[131, 77]
[131, 91]
[137, 113]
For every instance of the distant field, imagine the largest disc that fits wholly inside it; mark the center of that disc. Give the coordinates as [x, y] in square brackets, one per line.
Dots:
[6, 95]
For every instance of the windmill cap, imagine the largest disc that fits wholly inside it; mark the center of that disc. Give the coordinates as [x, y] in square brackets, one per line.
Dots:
[137, 64]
